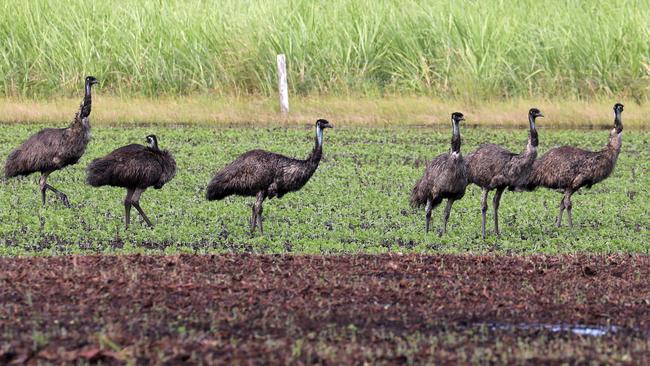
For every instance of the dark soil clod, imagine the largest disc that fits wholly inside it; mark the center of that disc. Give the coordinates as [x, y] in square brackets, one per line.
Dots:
[242, 308]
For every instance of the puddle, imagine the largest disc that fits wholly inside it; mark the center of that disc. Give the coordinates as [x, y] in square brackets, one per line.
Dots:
[578, 329]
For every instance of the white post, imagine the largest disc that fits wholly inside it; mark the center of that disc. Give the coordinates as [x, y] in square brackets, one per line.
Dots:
[282, 84]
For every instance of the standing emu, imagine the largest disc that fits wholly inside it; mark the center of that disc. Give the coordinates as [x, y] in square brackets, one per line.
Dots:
[52, 149]
[136, 168]
[493, 167]
[568, 168]
[445, 177]
[266, 175]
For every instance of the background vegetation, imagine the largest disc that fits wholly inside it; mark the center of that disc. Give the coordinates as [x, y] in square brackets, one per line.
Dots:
[463, 49]
[356, 202]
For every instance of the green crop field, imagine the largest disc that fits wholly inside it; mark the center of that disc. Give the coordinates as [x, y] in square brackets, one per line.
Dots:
[459, 49]
[356, 202]
[367, 285]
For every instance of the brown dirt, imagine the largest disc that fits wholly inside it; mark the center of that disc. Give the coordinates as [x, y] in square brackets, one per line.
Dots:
[352, 309]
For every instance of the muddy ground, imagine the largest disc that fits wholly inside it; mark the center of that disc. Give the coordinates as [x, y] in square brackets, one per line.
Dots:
[336, 309]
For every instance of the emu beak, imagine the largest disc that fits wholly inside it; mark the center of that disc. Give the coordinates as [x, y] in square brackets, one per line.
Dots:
[540, 115]
[329, 125]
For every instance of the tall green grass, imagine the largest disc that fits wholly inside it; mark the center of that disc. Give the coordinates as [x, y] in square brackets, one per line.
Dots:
[476, 49]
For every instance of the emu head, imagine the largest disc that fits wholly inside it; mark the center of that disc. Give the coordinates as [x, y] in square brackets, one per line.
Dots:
[152, 141]
[323, 123]
[618, 124]
[456, 118]
[320, 125]
[534, 113]
[91, 80]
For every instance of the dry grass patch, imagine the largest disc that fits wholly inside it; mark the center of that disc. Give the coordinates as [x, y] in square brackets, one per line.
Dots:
[350, 111]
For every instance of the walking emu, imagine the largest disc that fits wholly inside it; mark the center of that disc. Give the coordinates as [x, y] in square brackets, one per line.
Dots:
[568, 168]
[444, 177]
[136, 168]
[266, 175]
[493, 167]
[52, 149]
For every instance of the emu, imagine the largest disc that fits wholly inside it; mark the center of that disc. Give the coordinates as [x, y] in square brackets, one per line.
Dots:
[568, 168]
[52, 149]
[493, 167]
[136, 168]
[444, 177]
[266, 175]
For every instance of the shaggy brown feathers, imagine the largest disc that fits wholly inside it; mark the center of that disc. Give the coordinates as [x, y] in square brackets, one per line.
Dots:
[569, 168]
[444, 178]
[493, 167]
[266, 175]
[52, 149]
[134, 167]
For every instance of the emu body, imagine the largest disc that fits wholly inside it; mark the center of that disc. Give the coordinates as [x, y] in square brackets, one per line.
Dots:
[569, 168]
[445, 177]
[266, 175]
[136, 168]
[494, 167]
[52, 149]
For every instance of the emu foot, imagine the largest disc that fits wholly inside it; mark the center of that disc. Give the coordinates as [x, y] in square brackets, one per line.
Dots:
[64, 200]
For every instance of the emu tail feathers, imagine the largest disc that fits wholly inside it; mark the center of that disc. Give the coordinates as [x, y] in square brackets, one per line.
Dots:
[218, 188]
[99, 173]
[15, 166]
[419, 195]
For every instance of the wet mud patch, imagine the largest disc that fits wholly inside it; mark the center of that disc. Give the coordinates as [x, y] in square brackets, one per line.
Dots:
[329, 309]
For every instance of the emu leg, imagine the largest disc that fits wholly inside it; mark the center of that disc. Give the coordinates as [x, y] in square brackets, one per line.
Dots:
[427, 215]
[253, 221]
[496, 201]
[257, 211]
[127, 207]
[484, 208]
[44, 187]
[136, 204]
[42, 183]
[567, 203]
[558, 222]
[446, 217]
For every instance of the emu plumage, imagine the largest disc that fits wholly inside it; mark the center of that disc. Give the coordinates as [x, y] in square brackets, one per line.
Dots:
[136, 168]
[444, 178]
[266, 175]
[52, 149]
[569, 168]
[494, 167]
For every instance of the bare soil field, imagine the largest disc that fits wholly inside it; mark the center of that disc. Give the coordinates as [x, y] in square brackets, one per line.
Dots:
[240, 308]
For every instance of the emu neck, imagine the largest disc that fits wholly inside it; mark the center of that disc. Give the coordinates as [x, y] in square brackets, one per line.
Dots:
[615, 142]
[615, 136]
[618, 124]
[317, 153]
[455, 138]
[319, 136]
[533, 139]
[87, 103]
[81, 119]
